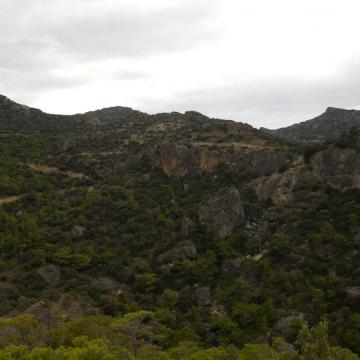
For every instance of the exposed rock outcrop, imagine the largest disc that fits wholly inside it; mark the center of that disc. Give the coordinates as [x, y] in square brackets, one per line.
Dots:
[180, 160]
[78, 231]
[334, 166]
[175, 160]
[281, 188]
[223, 212]
[353, 292]
[185, 251]
[286, 324]
[51, 274]
[338, 167]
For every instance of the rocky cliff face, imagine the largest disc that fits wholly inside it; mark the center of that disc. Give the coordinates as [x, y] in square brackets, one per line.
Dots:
[181, 160]
[223, 212]
[334, 166]
[339, 168]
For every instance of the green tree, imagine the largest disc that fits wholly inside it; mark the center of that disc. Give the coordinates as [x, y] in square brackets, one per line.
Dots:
[139, 327]
[314, 342]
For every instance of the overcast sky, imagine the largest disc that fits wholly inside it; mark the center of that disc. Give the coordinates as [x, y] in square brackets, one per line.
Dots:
[267, 63]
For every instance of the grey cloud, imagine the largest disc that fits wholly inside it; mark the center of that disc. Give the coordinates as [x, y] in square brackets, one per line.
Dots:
[25, 54]
[36, 81]
[120, 31]
[128, 33]
[39, 37]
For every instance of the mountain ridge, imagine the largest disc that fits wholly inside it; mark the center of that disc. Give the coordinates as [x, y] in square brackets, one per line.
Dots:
[327, 125]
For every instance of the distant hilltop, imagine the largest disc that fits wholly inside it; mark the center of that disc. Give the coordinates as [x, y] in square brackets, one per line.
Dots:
[330, 124]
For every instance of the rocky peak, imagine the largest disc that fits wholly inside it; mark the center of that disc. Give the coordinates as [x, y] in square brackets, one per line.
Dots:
[194, 115]
[8, 104]
[328, 125]
[110, 115]
[4, 99]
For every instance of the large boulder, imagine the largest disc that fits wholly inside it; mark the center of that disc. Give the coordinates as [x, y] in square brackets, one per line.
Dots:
[286, 324]
[51, 274]
[68, 145]
[78, 231]
[185, 251]
[223, 212]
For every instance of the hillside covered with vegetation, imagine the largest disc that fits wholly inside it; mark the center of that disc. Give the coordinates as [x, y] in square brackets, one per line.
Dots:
[174, 236]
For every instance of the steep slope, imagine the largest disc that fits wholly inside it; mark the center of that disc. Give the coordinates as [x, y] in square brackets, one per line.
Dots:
[330, 124]
[225, 233]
